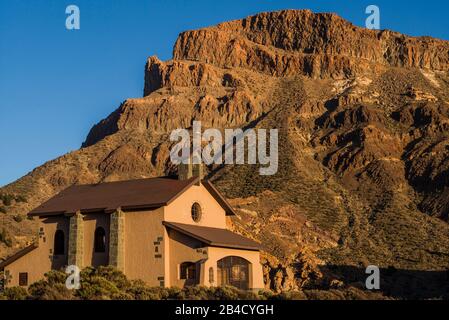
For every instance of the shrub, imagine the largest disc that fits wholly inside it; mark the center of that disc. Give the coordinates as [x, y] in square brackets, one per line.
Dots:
[107, 283]
[52, 287]
[290, 295]
[97, 288]
[7, 199]
[226, 293]
[21, 198]
[18, 218]
[196, 293]
[113, 275]
[5, 239]
[3, 209]
[103, 283]
[140, 291]
[42, 290]
[15, 293]
[175, 293]
[265, 294]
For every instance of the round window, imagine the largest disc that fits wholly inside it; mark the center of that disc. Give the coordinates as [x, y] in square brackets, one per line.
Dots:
[196, 212]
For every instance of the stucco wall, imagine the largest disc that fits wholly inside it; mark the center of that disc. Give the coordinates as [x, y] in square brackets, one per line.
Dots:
[183, 249]
[91, 223]
[214, 254]
[213, 215]
[142, 230]
[39, 261]
[187, 249]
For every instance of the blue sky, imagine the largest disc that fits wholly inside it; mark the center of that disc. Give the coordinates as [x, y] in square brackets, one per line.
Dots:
[55, 83]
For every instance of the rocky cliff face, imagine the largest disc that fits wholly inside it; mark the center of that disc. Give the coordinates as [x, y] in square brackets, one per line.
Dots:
[363, 118]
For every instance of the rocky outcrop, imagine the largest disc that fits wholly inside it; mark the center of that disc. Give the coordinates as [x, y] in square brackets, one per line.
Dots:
[292, 42]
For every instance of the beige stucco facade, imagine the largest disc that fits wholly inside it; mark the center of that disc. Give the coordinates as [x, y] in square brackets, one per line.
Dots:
[150, 251]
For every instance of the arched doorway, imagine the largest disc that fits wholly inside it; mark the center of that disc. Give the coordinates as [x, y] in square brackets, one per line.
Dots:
[59, 243]
[100, 240]
[233, 271]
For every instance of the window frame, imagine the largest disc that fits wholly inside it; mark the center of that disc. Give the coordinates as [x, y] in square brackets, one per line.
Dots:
[59, 243]
[187, 271]
[100, 243]
[196, 212]
[23, 279]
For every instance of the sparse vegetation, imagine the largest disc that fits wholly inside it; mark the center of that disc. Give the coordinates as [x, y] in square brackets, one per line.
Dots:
[21, 198]
[3, 209]
[8, 199]
[5, 238]
[18, 218]
[14, 293]
[107, 283]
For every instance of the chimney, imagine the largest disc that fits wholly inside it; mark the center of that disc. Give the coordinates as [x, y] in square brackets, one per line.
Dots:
[189, 170]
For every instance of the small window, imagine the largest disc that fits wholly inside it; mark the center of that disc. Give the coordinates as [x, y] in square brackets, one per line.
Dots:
[156, 249]
[59, 243]
[188, 271]
[196, 212]
[211, 275]
[23, 279]
[100, 240]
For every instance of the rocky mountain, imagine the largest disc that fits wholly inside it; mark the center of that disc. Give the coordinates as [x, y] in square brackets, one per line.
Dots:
[363, 119]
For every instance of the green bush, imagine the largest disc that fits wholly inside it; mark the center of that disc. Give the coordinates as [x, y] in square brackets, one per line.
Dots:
[265, 294]
[103, 283]
[140, 291]
[3, 209]
[97, 288]
[21, 198]
[289, 295]
[7, 199]
[15, 293]
[5, 239]
[107, 283]
[18, 218]
[52, 287]
[226, 293]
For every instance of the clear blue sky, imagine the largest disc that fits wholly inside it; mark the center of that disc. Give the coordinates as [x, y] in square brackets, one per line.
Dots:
[55, 84]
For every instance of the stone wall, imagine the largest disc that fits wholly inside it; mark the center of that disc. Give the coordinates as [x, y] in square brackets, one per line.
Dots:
[117, 240]
[76, 240]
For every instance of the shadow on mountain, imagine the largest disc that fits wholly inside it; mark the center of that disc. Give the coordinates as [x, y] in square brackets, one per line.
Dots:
[395, 283]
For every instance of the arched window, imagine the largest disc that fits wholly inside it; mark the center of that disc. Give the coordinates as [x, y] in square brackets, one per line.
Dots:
[211, 275]
[233, 271]
[59, 243]
[196, 212]
[100, 240]
[188, 271]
